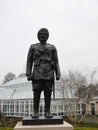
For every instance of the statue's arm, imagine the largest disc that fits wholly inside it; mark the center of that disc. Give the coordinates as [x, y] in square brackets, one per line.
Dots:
[56, 64]
[29, 63]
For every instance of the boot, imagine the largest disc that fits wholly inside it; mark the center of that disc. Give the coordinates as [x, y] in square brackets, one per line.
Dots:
[35, 114]
[48, 114]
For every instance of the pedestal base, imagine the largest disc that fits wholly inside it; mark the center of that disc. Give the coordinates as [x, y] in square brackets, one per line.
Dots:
[64, 126]
[42, 120]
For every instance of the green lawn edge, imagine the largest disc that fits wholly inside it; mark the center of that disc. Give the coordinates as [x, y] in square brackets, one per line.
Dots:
[75, 128]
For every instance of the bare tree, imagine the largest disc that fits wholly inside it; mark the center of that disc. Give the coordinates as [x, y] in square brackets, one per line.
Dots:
[91, 89]
[96, 90]
[75, 86]
[8, 77]
[70, 86]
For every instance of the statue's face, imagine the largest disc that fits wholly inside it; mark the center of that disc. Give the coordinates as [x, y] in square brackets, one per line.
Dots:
[43, 35]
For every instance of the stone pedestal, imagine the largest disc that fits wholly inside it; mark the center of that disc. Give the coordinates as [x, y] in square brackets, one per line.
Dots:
[64, 126]
[43, 123]
[42, 120]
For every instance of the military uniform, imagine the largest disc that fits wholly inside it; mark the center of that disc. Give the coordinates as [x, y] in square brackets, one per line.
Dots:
[43, 60]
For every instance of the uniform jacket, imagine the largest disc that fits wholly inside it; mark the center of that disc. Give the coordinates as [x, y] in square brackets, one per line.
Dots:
[42, 62]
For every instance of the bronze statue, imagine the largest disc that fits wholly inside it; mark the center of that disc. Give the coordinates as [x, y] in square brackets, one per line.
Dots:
[43, 60]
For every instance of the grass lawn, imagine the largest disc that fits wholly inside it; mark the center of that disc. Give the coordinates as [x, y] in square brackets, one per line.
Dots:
[75, 128]
[6, 128]
[84, 128]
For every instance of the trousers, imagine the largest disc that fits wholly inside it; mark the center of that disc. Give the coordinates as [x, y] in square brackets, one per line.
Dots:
[38, 87]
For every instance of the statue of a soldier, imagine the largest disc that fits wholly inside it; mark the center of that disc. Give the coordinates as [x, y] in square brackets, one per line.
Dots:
[42, 58]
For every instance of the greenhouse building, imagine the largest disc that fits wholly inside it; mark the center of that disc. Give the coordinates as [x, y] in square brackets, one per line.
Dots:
[16, 99]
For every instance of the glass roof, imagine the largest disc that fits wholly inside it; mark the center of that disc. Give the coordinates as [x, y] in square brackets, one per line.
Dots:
[19, 89]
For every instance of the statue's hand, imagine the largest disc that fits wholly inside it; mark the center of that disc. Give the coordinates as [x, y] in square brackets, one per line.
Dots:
[29, 77]
[58, 77]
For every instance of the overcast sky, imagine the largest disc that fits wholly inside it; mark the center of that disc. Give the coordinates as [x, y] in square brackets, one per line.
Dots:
[73, 27]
